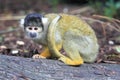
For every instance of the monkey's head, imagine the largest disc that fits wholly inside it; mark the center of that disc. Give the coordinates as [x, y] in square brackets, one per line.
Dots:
[34, 25]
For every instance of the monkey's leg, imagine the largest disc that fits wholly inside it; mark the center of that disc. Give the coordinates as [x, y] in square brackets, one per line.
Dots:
[44, 54]
[71, 47]
[73, 58]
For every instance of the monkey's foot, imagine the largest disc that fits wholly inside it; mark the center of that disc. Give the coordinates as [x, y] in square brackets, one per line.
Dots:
[38, 56]
[71, 62]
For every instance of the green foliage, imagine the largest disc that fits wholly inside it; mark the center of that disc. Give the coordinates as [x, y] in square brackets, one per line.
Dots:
[1, 39]
[54, 4]
[117, 48]
[108, 8]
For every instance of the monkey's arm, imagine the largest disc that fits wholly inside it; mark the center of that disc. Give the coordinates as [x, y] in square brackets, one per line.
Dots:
[44, 54]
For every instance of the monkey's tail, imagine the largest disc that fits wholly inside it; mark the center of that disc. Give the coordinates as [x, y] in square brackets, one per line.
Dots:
[51, 37]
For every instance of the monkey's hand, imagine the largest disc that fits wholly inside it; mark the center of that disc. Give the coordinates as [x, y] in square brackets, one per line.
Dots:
[38, 56]
[44, 54]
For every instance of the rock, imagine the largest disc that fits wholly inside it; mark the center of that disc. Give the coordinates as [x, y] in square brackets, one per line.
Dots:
[20, 43]
[18, 68]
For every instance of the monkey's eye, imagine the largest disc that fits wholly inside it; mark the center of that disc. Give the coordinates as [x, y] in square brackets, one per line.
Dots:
[30, 28]
[35, 28]
[39, 29]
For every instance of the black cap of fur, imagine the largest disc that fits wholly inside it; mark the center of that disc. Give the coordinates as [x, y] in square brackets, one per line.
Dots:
[33, 19]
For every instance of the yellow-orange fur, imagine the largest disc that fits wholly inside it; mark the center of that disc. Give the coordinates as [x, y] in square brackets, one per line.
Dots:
[75, 36]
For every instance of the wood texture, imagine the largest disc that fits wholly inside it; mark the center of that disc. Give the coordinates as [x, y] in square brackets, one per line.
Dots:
[18, 68]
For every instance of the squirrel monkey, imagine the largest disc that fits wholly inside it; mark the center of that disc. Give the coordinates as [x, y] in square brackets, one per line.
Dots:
[62, 31]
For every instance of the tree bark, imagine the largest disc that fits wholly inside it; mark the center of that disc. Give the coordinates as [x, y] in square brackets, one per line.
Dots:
[18, 68]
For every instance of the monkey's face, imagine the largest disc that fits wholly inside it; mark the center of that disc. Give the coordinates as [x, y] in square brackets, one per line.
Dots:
[33, 31]
[33, 26]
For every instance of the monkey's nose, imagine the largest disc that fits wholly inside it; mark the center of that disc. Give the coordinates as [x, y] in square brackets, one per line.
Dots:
[33, 35]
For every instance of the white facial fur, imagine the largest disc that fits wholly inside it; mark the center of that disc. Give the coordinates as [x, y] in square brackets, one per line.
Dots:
[33, 32]
[45, 21]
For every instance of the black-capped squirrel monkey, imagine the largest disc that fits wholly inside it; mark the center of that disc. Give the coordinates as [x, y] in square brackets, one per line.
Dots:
[62, 31]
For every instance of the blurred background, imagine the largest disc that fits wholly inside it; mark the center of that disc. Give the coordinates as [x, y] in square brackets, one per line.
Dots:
[102, 15]
[109, 8]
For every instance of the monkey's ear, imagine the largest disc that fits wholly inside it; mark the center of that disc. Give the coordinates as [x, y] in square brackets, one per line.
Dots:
[45, 21]
[21, 23]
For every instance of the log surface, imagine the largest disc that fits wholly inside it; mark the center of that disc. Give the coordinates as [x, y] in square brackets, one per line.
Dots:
[18, 68]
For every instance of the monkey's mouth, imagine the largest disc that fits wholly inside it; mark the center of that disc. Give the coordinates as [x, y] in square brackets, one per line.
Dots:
[33, 35]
